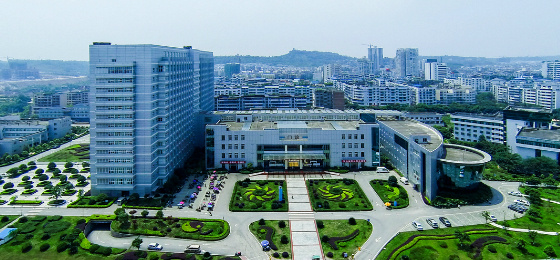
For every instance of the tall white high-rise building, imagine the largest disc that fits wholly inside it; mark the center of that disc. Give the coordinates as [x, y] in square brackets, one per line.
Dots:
[434, 70]
[143, 102]
[551, 70]
[375, 56]
[406, 63]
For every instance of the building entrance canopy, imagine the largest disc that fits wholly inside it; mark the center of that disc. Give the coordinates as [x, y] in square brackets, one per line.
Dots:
[292, 156]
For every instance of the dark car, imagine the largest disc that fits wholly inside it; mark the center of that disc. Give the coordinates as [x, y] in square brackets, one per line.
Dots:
[445, 221]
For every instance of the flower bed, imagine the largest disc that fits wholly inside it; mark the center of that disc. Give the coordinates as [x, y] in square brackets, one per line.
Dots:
[337, 195]
[91, 202]
[391, 194]
[273, 231]
[207, 229]
[26, 202]
[8, 192]
[259, 196]
[29, 192]
[338, 236]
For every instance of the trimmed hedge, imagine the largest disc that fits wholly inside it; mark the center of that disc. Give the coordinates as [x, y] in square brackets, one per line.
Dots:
[26, 202]
[74, 205]
[222, 235]
[379, 188]
[141, 207]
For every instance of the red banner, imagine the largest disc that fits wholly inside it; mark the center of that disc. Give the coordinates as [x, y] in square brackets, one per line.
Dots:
[232, 162]
[353, 160]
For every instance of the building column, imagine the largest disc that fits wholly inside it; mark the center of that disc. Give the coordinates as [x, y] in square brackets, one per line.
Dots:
[285, 164]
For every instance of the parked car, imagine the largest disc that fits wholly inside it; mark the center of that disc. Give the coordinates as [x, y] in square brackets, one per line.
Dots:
[515, 193]
[404, 180]
[445, 221]
[155, 246]
[432, 222]
[522, 202]
[193, 249]
[493, 218]
[382, 170]
[417, 226]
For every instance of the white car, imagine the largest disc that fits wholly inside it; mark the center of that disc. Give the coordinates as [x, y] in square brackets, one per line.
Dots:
[515, 193]
[522, 202]
[417, 226]
[493, 218]
[155, 246]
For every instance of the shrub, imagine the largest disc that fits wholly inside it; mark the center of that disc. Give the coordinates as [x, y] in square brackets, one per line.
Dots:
[73, 250]
[549, 250]
[325, 238]
[106, 251]
[276, 254]
[352, 221]
[281, 224]
[261, 221]
[45, 237]
[54, 218]
[492, 249]
[330, 254]
[23, 220]
[509, 255]
[25, 178]
[342, 205]
[55, 227]
[26, 247]
[206, 254]
[44, 247]
[5, 219]
[93, 248]
[284, 239]
[320, 224]
[405, 257]
[285, 254]
[62, 247]
[81, 221]
[442, 244]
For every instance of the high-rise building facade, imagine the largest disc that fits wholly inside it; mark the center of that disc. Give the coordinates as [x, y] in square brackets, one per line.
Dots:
[551, 70]
[143, 103]
[375, 56]
[434, 70]
[231, 69]
[406, 63]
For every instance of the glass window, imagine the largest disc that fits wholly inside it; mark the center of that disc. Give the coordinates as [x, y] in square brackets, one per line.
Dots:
[343, 145]
[223, 155]
[242, 146]
[242, 137]
[343, 136]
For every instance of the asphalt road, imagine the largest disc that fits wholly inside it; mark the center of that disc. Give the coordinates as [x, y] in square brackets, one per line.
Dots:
[386, 223]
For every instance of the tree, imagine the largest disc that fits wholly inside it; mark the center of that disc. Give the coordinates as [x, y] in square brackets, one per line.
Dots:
[68, 165]
[137, 242]
[81, 178]
[392, 181]
[8, 185]
[539, 165]
[159, 214]
[462, 237]
[56, 192]
[123, 218]
[63, 178]
[51, 165]
[80, 193]
[43, 177]
[25, 178]
[39, 171]
[134, 197]
[486, 215]
[85, 164]
[23, 167]
[31, 163]
[532, 236]
[144, 213]
[101, 197]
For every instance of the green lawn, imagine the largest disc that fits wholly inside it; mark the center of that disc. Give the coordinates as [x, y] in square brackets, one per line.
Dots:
[391, 194]
[189, 228]
[278, 232]
[74, 153]
[552, 193]
[32, 233]
[337, 195]
[259, 196]
[546, 220]
[448, 247]
[342, 228]
[7, 221]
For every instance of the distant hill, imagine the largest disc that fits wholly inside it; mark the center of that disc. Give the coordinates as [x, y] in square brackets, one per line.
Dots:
[55, 67]
[296, 58]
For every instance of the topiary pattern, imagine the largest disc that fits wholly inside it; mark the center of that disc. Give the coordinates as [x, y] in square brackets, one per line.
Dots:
[259, 194]
[335, 193]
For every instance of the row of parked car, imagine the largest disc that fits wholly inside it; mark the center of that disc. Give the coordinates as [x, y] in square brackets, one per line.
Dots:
[432, 223]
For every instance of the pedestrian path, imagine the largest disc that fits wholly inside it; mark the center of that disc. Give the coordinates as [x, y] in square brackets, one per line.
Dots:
[305, 238]
[525, 230]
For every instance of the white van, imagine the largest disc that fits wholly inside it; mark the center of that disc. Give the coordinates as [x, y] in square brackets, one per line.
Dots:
[382, 170]
[404, 180]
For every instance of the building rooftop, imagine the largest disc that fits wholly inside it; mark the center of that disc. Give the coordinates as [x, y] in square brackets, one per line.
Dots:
[323, 125]
[545, 134]
[459, 154]
[528, 109]
[409, 128]
[497, 116]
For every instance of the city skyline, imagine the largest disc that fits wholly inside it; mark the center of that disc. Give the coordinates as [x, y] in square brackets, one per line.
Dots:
[494, 29]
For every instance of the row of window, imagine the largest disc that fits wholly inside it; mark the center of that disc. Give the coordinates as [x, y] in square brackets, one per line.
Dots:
[115, 125]
[235, 155]
[115, 116]
[233, 146]
[111, 134]
[112, 90]
[115, 160]
[114, 99]
[117, 170]
[114, 151]
[115, 181]
[111, 80]
[350, 136]
[350, 154]
[236, 137]
[101, 108]
[114, 142]
[362, 145]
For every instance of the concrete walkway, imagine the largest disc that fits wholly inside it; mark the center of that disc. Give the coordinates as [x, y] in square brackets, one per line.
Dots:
[525, 230]
[303, 231]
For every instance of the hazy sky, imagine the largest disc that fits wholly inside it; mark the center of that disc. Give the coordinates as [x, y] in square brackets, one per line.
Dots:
[63, 29]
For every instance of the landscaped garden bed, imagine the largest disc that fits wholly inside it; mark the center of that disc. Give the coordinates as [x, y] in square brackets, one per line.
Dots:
[468, 242]
[8, 191]
[52, 237]
[391, 193]
[542, 215]
[5, 220]
[26, 202]
[74, 153]
[337, 195]
[100, 201]
[134, 201]
[188, 228]
[276, 232]
[339, 236]
[452, 198]
[259, 195]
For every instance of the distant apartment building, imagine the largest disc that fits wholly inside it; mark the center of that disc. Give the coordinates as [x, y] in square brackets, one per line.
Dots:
[477, 84]
[224, 103]
[328, 98]
[406, 63]
[551, 70]
[18, 70]
[469, 127]
[545, 94]
[534, 142]
[330, 71]
[429, 118]
[375, 57]
[17, 134]
[70, 103]
[144, 102]
[460, 95]
[375, 95]
[423, 95]
[518, 118]
[434, 70]
[231, 69]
